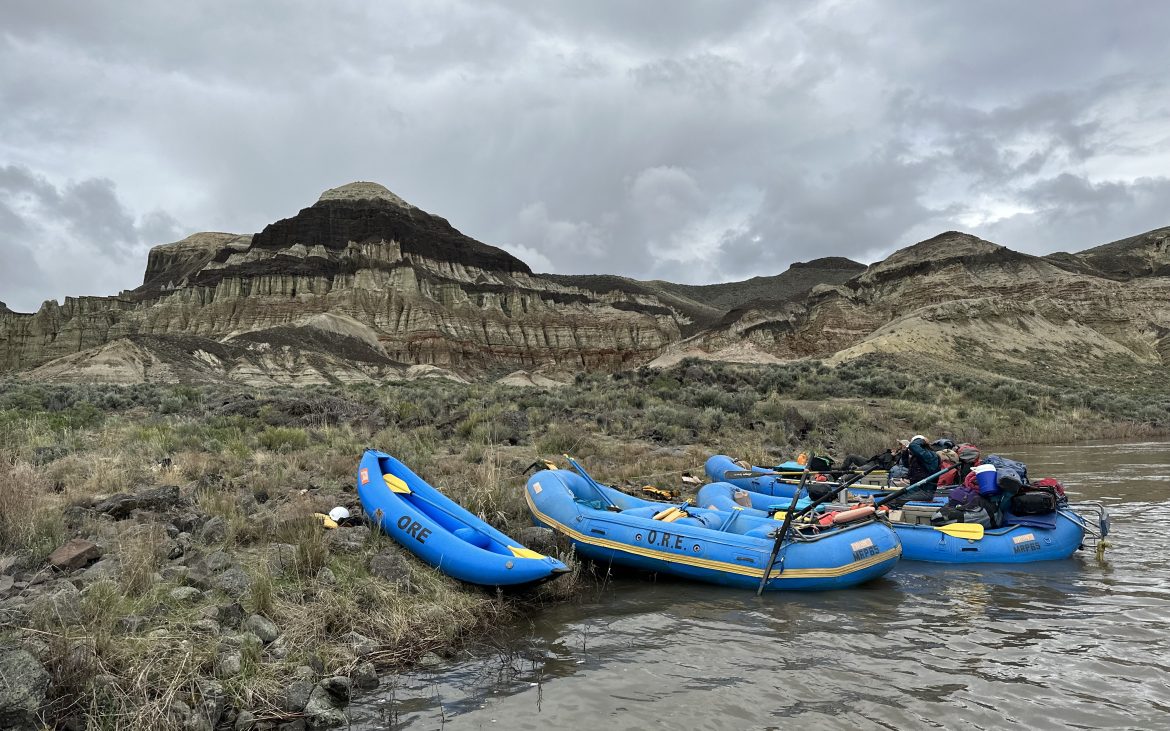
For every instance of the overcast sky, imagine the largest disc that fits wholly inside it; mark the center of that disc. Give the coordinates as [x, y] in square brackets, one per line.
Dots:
[690, 141]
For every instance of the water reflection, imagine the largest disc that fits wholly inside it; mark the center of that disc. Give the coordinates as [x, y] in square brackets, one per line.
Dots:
[1080, 643]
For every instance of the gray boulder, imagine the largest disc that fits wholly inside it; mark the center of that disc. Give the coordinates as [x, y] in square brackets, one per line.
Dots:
[108, 568]
[359, 643]
[390, 565]
[327, 702]
[229, 664]
[185, 594]
[214, 531]
[347, 540]
[296, 695]
[230, 615]
[234, 582]
[23, 684]
[364, 676]
[262, 627]
[120, 506]
[541, 540]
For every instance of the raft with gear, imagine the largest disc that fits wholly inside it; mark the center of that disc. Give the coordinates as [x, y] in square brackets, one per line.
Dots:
[725, 548]
[441, 532]
[1032, 538]
[1023, 540]
[781, 481]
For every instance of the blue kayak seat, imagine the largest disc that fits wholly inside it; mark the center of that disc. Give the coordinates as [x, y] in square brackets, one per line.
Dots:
[473, 537]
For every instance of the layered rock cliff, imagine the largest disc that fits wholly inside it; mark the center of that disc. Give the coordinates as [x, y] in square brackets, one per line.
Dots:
[361, 285]
[431, 294]
[961, 299]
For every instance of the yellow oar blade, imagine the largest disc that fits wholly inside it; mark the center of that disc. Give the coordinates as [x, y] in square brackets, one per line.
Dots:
[524, 552]
[971, 531]
[396, 485]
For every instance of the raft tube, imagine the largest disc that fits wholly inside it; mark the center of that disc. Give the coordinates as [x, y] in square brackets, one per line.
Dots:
[1034, 538]
[1019, 543]
[777, 485]
[706, 545]
[441, 532]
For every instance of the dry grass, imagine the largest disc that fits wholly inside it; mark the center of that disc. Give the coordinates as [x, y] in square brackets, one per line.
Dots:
[264, 468]
[30, 521]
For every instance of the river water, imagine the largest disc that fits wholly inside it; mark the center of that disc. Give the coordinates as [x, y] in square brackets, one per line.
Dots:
[1082, 643]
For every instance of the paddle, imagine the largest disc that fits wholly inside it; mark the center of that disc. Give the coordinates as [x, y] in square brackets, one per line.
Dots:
[970, 531]
[747, 474]
[396, 484]
[612, 505]
[782, 532]
[791, 514]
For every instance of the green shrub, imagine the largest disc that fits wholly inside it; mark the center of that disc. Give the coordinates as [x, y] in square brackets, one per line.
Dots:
[283, 439]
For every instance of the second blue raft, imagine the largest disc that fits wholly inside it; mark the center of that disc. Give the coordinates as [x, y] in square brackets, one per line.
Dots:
[1029, 539]
[609, 526]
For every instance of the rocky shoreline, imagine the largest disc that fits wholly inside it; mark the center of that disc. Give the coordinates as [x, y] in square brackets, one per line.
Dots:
[204, 596]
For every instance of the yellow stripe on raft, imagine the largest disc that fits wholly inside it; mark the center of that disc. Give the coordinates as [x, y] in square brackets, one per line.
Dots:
[726, 567]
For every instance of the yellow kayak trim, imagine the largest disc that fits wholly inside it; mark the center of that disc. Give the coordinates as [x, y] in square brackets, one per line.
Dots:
[730, 568]
[521, 552]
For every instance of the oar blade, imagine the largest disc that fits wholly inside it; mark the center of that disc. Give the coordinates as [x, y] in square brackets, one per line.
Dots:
[970, 531]
[396, 484]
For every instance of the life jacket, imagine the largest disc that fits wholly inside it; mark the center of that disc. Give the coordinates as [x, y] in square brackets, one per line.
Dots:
[915, 470]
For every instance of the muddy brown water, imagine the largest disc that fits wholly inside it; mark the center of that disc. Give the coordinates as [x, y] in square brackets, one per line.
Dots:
[1080, 643]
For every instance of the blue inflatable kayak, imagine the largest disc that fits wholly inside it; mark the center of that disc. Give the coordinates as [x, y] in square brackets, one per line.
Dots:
[442, 533]
[702, 544]
[1027, 539]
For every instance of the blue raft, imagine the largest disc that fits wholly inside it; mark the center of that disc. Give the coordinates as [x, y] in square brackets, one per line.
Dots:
[1025, 540]
[704, 545]
[783, 486]
[441, 532]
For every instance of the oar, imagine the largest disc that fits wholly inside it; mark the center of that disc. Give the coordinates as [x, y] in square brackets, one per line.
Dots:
[747, 474]
[593, 482]
[834, 492]
[792, 514]
[970, 531]
[782, 532]
[898, 493]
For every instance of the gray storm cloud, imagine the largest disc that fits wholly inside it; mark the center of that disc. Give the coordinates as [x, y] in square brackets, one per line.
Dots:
[692, 141]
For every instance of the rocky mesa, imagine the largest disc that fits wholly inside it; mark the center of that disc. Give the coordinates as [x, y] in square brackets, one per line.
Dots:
[363, 286]
[411, 289]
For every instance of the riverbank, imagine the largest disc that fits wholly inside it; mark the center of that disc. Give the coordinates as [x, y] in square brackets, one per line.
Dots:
[197, 590]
